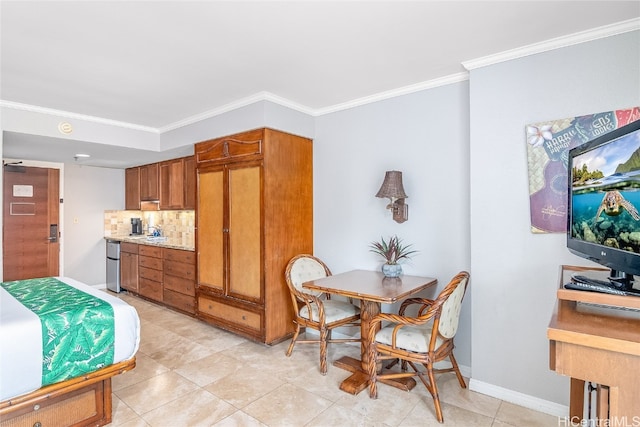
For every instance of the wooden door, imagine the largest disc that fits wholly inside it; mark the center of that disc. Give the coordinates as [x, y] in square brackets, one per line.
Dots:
[132, 189]
[211, 230]
[172, 184]
[190, 182]
[129, 271]
[30, 222]
[149, 188]
[245, 232]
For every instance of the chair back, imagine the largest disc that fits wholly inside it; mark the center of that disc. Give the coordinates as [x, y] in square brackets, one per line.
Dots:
[450, 314]
[303, 268]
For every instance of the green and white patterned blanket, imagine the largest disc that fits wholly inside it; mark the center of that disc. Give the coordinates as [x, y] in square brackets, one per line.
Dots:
[78, 329]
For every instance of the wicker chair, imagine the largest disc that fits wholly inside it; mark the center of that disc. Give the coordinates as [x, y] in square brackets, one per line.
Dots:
[316, 310]
[424, 339]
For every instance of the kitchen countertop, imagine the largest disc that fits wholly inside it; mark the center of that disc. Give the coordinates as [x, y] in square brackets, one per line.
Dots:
[152, 241]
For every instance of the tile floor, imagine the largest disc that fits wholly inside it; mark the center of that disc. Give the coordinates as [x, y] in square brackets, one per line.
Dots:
[192, 374]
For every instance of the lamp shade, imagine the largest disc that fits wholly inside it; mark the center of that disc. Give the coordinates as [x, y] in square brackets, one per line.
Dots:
[392, 186]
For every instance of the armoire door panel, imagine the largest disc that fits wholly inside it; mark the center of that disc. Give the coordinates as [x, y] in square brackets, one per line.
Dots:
[245, 233]
[211, 229]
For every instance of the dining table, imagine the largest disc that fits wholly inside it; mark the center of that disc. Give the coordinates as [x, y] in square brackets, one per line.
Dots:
[372, 288]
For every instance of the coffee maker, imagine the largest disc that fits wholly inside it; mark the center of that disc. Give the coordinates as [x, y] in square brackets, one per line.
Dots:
[136, 226]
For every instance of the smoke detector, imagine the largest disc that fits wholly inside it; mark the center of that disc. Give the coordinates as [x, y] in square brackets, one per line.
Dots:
[65, 128]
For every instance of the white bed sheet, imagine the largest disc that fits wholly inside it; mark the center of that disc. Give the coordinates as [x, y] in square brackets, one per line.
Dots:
[21, 339]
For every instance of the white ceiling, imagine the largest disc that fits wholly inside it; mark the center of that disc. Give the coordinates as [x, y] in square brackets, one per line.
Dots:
[158, 65]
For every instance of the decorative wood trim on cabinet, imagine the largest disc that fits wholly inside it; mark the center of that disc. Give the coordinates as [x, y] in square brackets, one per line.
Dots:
[242, 147]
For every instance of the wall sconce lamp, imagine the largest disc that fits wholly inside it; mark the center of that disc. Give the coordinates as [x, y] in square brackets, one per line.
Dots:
[393, 190]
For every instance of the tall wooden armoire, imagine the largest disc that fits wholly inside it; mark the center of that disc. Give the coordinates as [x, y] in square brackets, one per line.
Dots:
[254, 213]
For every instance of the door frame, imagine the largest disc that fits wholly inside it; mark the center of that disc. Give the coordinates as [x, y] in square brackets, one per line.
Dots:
[48, 165]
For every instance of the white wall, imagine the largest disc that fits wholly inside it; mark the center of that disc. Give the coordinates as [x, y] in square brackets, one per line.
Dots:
[515, 272]
[89, 191]
[425, 135]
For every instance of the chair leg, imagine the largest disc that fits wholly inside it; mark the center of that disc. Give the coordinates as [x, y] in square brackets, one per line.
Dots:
[434, 393]
[454, 364]
[323, 351]
[372, 369]
[293, 340]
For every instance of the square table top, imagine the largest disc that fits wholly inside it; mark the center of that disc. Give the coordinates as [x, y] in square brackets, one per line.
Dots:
[371, 285]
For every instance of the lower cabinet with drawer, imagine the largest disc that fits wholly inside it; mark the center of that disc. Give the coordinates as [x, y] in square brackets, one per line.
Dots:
[150, 272]
[164, 275]
[179, 280]
[235, 316]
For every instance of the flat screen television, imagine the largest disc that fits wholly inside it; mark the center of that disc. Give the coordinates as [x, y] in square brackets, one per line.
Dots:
[603, 221]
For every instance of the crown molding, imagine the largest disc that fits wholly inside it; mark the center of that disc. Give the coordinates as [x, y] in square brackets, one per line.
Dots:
[557, 43]
[260, 96]
[70, 115]
[430, 84]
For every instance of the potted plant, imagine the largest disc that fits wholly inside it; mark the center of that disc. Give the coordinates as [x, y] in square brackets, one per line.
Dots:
[392, 250]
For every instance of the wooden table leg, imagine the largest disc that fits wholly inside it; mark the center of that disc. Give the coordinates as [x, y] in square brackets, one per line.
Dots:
[359, 379]
[576, 401]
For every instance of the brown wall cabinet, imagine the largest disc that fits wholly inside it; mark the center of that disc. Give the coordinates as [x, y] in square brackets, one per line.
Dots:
[172, 183]
[132, 188]
[150, 182]
[190, 180]
[254, 213]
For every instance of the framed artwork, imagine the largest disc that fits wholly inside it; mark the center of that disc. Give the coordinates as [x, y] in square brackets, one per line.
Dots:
[548, 145]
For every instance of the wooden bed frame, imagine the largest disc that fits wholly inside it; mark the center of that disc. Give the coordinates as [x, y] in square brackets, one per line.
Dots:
[80, 401]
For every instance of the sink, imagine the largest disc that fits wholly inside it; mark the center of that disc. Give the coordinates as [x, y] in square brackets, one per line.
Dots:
[156, 239]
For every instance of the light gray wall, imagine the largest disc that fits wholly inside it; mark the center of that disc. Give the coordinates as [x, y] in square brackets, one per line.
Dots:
[253, 116]
[515, 272]
[426, 136]
[88, 192]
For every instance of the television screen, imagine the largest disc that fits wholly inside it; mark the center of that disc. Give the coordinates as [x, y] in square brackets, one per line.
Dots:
[604, 205]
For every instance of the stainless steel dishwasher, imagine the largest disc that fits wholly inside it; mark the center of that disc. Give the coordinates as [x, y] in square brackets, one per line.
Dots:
[113, 265]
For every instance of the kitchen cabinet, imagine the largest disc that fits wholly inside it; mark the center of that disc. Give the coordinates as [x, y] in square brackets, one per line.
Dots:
[254, 213]
[132, 188]
[150, 272]
[129, 266]
[177, 183]
[172, 184]
[164, 275]
[179, 279]
[190, 179]
[149, 182]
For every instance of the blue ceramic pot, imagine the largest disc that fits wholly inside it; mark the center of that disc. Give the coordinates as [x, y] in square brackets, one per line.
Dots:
[391, 270]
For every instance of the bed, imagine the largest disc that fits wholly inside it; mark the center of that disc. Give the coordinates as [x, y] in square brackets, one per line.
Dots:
[62, 342]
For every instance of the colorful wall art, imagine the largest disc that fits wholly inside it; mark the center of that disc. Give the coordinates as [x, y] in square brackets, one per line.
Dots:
[548, 145]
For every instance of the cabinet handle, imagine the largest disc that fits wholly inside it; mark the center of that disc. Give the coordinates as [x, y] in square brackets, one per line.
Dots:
[225, 230]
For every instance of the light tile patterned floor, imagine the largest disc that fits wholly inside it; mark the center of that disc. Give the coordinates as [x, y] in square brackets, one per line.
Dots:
[192, 374]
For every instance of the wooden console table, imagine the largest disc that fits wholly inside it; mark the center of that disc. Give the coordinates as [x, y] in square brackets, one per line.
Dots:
[597, 342]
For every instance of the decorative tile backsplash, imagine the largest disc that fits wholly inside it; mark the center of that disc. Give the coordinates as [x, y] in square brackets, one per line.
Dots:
[178, 226]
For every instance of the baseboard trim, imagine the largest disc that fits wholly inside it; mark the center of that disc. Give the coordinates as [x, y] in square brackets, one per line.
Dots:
[519, 399]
